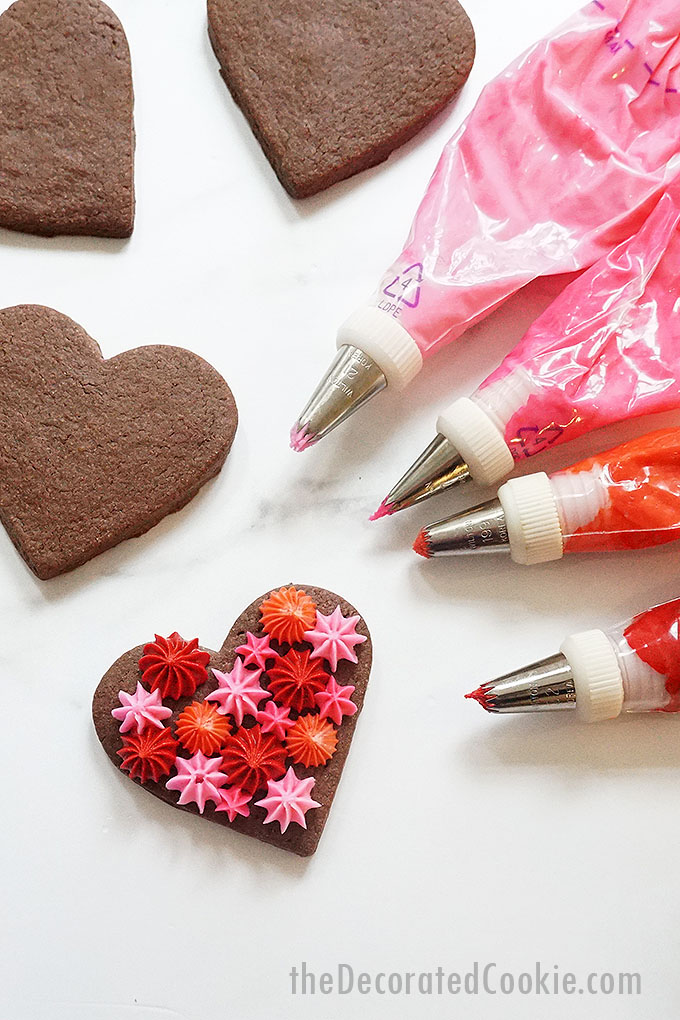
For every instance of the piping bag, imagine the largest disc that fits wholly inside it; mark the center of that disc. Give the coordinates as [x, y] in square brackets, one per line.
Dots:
[607, 349]
[626, 498]
[564, 155]
[634, 667]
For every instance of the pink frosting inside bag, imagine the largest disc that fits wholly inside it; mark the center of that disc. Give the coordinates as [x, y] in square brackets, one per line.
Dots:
[607, 349]
[564, 156]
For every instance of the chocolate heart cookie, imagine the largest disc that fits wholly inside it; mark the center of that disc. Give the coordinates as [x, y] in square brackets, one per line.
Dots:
[331, 87]
[95, 451]
[66, 129]
[255, 736]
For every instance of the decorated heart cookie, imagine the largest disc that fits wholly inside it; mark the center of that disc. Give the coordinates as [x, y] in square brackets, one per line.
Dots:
[66, 130]
[95, 451]
[331, 87]
[255, 736]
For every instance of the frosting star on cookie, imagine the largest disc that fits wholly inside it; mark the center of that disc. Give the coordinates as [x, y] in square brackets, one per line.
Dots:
[295, 679]
[274, 719]
[141, 709]
[288, 800]
[239, 692]
[334, 637]
[202, 727]
[252, 757]
[336, 701]
[198, 779]
[173, 666]
[148, 755]
[234, 802]
[256, 651]
[312, 741]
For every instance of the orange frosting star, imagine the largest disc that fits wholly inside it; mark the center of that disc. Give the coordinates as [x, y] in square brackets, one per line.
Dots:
[312, 741]
[287, 614]
[200, 727]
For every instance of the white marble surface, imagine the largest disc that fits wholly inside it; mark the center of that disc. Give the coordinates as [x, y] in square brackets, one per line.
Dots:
[455, 837]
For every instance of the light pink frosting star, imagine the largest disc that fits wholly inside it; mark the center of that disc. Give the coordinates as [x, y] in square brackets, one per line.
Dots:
[141, 709]
[239, 692]
[334, 637]
[335, 701]
[256, 650]
[274, 719]
[234, 802]
[288, 800]
[198, 779]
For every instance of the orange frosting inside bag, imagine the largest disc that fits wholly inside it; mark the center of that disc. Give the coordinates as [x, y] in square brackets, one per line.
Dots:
[643, 509]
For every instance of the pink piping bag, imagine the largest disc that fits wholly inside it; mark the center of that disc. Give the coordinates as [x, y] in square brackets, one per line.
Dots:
[607, 349]
[564, 156]
[634, 667]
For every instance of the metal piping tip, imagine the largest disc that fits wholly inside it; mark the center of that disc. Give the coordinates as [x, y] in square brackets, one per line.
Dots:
[543, 686]
[482, 528]
[352, 379]
[438, 468]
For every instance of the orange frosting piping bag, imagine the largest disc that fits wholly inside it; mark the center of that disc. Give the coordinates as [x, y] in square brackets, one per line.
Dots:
[625, 498]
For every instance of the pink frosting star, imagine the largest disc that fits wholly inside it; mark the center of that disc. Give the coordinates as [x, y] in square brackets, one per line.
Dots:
[198, 779]
[256, 650]
[335, 701]
[141, 709]
[288, 800]
[274, 719]
[239, 692]
[234, 802]
[334, 637]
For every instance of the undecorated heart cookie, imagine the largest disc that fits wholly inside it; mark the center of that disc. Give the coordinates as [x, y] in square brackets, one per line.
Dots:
[331, 87]
[93, 451]
[66, 128]
[255, 736]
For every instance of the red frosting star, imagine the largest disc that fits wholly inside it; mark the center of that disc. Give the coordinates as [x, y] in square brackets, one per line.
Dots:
[174, 666]
[295, 680]
[148, 755]
[251, 757]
